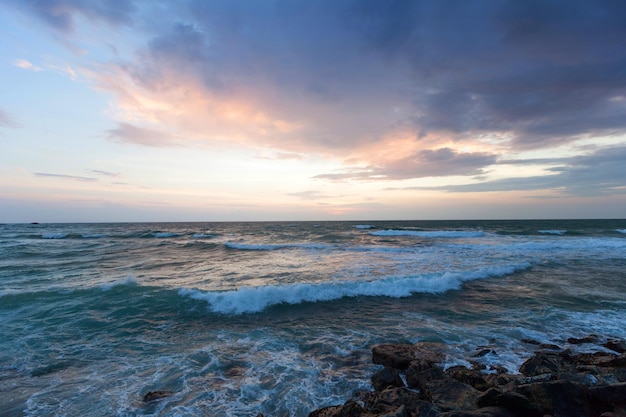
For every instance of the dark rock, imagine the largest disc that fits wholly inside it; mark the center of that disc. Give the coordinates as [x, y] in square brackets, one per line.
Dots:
[156, 395]
[559, 398]
[543, 363]
[387, 377]
[390, 399]
[483, 412]
[510, 400]
[399, 412]
[484, 352]
[396, 356]
[331, 411]
[451, 395]
[471, 377]
[530, 341]
[616, 345]
[417, 376]
[549, 346]
[610, 395]
[592, 338]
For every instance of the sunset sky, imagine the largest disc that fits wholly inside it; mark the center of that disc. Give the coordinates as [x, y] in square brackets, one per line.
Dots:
[202, 110]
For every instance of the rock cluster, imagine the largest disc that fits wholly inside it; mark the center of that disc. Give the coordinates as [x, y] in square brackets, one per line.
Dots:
[554, 382]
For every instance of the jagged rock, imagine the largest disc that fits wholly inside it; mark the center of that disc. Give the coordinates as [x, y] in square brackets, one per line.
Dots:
[396, 356]
[400, 356]
[616, 345]
[471, 377]
[558, 398]
[156, 395]
[543, 363]
[417, 375]
[610, 395]
[483, 412]
[592, 338]
[451, 395]
[558, 383]
[388, 400]
[331, 411]
[513, 401]
[387, 377]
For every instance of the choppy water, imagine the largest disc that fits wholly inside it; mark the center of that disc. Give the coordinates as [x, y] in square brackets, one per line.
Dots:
[279, 318]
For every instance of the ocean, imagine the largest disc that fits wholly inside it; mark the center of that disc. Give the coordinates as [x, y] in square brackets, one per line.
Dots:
[236, 319]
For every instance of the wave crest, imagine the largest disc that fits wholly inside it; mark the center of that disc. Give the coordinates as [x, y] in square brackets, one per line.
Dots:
[256, 299]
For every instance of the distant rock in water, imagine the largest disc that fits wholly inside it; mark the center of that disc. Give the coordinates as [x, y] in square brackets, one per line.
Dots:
[553, 382]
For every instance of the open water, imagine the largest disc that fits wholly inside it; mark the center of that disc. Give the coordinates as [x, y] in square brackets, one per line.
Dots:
[279, 318]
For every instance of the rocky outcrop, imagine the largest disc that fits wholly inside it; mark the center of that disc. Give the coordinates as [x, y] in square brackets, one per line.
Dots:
[553, 382]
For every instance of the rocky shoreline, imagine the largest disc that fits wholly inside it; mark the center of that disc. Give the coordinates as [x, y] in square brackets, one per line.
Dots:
[553, 382]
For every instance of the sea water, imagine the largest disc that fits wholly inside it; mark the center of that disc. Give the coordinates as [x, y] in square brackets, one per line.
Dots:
[279, 318]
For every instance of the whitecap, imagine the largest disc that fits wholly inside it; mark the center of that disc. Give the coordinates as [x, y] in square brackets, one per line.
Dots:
[54, 235]
[552, 232]
[256, 299]
[430, 234]
[129, 280]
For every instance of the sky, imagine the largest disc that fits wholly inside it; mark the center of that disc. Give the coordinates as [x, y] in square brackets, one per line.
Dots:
[228, 110]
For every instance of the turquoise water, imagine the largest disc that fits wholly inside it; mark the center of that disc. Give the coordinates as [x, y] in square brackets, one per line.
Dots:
[279, 318]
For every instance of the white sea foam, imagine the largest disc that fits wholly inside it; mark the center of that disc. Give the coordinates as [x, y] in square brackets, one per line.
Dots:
[129, 280]
[430, 234]
[54, 235]
[202, 235]
[255, 299]
[276, 246]
[94, 235]
[165, 234]
[620, 230]
[552, 232]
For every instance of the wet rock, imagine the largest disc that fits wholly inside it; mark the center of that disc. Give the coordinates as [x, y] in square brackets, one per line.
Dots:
[417, 375]
[543, 363]
[592, 338]
[156, 395]
[387, 377]
[559, 398]
[396, 356]
[553, 382]
[610, 395]
[451, 395]
[510, 400]
[483, 412]
[473, 377]
[616, 345]
[380, 403]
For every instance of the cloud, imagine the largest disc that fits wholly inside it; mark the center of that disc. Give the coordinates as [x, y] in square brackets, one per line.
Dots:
[61, 14]
[104, 173]
[337, 76]
[6, 120]
[311, 195]
[24, 64]
[598, 173]
[425, 163]
[67, 177]
[128, 133]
